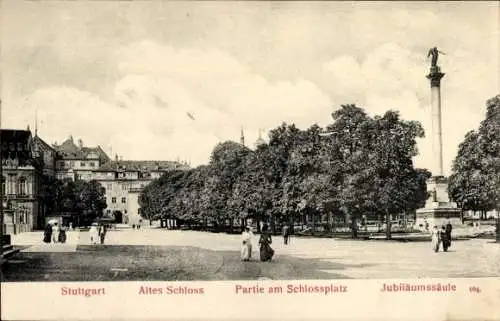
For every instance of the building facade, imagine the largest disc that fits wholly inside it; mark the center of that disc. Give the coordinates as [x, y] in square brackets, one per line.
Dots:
[123, 181]
[27, 162]
[77, 162]
[22, 170]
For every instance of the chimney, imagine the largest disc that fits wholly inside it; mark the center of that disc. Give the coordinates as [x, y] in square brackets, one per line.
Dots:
[80, 143]
[116, 157]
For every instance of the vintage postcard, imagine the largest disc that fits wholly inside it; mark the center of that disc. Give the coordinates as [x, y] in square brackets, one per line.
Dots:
[166, 160]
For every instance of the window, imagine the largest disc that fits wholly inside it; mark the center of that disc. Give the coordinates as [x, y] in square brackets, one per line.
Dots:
[110, 186]
[108, 211]
[113, 200]
[124, 200]
[91, 164]
[82, 164]
[22, 186]
[4, 191]
[124, 187]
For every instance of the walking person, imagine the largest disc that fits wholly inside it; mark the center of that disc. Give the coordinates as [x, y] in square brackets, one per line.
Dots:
[62, 235]
[102, 232]
[47, 234]
[435, 239]
[266, 251]
[246, 244]
[55, 232]
[444, 239]
[449, 228]
[286, 233]
[93, 233]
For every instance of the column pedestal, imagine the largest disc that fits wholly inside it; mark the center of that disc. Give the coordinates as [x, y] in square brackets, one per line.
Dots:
[438, 209]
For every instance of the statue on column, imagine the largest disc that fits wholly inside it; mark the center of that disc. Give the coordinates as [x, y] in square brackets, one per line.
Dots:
[434, 52]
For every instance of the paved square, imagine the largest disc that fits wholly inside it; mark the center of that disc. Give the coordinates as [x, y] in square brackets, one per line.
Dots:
[158, 254]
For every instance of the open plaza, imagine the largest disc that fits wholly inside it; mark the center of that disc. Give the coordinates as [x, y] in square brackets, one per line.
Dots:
[173, 255]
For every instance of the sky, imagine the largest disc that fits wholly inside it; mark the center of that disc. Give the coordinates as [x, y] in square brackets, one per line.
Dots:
[169, 80]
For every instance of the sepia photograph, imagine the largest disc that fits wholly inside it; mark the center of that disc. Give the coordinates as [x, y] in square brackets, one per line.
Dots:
[249, 141]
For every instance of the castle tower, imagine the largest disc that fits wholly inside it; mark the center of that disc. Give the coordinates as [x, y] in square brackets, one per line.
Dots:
[242, 137]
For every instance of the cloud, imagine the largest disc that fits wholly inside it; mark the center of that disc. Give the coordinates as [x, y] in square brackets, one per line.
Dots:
[158, 88]
[220, 91]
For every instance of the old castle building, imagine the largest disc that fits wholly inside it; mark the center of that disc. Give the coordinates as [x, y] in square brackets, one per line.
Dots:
[27, 160]
[24, 161]
[77, 162]
[123, 182]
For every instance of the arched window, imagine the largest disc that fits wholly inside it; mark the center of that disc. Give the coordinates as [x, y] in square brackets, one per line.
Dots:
[4, 190]
[22, 186]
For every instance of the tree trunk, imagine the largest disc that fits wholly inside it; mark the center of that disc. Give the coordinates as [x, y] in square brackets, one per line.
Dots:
[273, 224]
[388, 221]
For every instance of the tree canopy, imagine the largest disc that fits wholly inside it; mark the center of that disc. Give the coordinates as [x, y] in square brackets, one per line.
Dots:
[475, 180]
[356, 165]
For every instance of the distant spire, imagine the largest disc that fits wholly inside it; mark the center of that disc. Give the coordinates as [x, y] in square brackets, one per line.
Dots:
[28, 128]
[242, 138]
[36, 122]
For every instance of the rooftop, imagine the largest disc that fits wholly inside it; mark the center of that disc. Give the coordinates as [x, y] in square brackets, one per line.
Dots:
[14, 135]
[69, 150]
[133, 165]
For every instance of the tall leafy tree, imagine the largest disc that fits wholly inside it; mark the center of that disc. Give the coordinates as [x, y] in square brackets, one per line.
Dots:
[475, 180]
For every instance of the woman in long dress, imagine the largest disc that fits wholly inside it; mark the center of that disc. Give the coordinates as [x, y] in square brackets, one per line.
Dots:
[266, 252]
[94, 234]
[246, 244]
[435, 239]
[47, 235]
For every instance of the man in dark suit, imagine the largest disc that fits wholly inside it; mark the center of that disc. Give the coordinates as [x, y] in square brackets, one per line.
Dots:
[448, 229]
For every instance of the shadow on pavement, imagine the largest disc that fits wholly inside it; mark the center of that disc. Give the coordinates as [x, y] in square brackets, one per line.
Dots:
[161, 263]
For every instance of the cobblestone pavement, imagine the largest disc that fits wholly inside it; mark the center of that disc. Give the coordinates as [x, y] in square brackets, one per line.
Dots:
[362, 259]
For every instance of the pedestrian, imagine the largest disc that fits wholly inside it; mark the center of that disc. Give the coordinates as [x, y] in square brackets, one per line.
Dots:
[286, 234]
[435, 239]
[444, 238]
[246, 244]
[47, 234]
[62, 235]
[449, 228]
[266, 251]
[55, 232]
[102, 232]
[93, 233]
